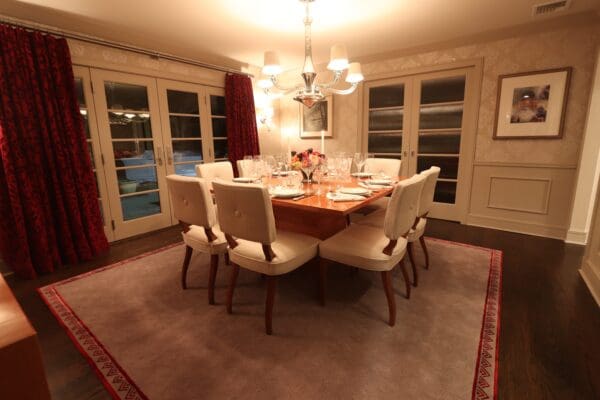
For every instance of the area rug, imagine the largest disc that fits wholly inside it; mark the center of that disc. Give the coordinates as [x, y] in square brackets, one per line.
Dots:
[147, 338]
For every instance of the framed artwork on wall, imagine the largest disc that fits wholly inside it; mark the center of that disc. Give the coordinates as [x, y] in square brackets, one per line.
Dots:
[531, 105]
[317, 119]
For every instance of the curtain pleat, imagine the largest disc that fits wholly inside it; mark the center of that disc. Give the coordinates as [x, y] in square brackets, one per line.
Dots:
[49, 211]
[242, 134]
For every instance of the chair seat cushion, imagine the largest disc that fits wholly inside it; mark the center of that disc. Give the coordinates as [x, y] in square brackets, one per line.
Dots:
[197, 240]
[362, 246]
[291, 251]
[376, 219]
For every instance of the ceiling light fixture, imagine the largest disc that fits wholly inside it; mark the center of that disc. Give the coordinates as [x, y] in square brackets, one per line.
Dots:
[312, 92]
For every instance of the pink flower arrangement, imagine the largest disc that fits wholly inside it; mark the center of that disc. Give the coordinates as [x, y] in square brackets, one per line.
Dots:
[306, 159]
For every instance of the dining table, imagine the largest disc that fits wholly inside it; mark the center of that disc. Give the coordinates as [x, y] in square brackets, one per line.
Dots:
[319, 216]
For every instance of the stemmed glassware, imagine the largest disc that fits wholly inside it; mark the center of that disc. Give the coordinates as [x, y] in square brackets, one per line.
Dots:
[360, 159]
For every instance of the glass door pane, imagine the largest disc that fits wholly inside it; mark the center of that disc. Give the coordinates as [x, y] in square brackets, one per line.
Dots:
[129, 125]
[385, 124]
[133, 149]
[87, 113]
[186, 132]
[439, 131]
[219, 125]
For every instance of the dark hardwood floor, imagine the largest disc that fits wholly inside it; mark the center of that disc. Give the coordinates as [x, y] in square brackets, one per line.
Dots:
[550, 331]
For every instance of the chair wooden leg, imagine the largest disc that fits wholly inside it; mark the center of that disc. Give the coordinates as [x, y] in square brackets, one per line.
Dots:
[322, 280]
[235, 270]
[186, 265]
[271, 286]
[386, 278]
[212, 276]
[424, 246]
[406, 280]
[411, 256]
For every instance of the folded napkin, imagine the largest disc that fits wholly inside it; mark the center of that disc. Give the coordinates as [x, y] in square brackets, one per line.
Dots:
[371, 186]
[344, 197]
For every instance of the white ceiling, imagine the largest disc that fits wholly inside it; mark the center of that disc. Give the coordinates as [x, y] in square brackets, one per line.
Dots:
[239, 31]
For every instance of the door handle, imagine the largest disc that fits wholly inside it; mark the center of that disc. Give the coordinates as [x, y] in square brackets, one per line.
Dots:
[158, 153]
[412, 153]
[169, 155]
[405, 153]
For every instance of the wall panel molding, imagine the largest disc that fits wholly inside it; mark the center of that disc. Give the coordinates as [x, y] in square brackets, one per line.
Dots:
[519, 185]
[524, 199]
[522, 165]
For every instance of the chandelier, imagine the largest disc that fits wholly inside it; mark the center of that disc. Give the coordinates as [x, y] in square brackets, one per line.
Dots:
[312, 92]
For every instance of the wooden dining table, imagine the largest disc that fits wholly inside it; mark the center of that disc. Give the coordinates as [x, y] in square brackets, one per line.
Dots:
[318, 216]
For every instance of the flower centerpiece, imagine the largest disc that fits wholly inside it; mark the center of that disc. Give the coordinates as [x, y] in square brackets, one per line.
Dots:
[306, 162]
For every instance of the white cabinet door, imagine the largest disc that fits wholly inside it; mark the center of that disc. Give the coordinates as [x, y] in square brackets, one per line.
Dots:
[134, 153]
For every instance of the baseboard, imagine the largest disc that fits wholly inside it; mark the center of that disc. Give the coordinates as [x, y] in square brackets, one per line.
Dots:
[592, 280]
[576, 237]
[528, 228]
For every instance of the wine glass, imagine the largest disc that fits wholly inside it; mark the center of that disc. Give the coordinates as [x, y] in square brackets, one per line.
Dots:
[359, 160]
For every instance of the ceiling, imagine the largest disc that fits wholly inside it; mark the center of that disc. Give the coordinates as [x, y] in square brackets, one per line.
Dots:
[235, 32]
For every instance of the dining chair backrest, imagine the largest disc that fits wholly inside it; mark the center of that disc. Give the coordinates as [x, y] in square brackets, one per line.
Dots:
[402, 208]
[245, 211]
[191, 200]
[431, 176]
[244, 167]
[387, 166]
[216, 170]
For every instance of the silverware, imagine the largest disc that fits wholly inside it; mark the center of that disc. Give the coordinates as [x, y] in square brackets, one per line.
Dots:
[299, 197]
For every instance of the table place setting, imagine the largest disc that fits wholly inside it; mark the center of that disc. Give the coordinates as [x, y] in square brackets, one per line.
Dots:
[283, 192]
[349, 194]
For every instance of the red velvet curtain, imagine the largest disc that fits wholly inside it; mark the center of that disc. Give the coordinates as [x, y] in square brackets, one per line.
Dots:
[49, 212]
[242, 135]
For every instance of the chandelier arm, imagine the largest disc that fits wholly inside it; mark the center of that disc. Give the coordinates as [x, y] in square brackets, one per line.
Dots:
[336, 79]
[350, 90]
[287, 89]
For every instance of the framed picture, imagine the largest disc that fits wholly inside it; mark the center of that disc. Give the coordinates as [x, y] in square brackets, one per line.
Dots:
[317, 119]
[531, 105]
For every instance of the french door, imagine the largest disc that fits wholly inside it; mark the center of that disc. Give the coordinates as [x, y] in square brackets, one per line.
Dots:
[130, 135]
[88, 114]
[193, 125]
[139, 130]
[427, 119]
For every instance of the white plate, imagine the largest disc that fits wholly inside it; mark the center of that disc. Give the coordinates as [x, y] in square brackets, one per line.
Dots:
[362, 174]
[285, 193]
[387, 182]
[353, 190]
[282, 173]
[243, 180]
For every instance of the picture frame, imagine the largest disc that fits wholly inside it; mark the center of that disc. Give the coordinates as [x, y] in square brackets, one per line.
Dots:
[532, 105]
[317, 119]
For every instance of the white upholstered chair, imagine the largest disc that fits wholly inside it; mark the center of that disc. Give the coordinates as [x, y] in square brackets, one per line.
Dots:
[193, 207]
[244, 167]
[246, 217]
[386, 166]
[377, 218]
[377, 248]
[215, 170]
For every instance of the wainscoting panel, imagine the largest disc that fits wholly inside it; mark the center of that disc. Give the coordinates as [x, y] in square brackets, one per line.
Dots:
[522, 198]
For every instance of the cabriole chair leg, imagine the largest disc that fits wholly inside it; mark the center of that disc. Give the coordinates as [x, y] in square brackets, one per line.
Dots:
[235, 270]
[186, 265]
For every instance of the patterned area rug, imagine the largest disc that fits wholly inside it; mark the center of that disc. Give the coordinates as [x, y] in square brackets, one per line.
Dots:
[147, 338]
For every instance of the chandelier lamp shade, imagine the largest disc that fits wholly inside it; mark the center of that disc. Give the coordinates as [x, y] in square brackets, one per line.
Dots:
[311, 92]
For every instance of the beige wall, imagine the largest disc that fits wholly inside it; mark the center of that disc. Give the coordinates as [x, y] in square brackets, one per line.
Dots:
[552, 160]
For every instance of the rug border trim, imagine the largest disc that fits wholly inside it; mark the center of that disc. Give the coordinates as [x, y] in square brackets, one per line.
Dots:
[49, 293]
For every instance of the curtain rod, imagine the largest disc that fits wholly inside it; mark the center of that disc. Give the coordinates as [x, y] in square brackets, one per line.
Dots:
[34, 26]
